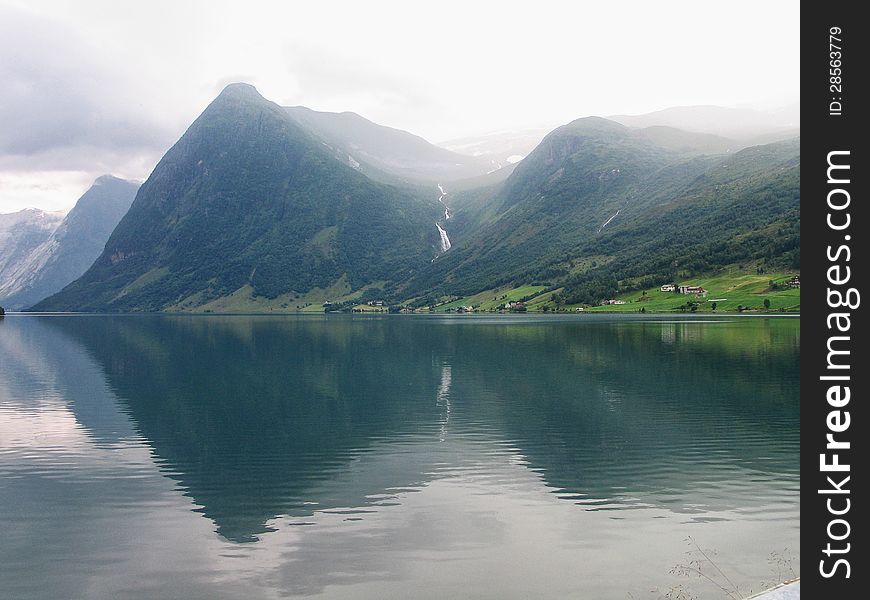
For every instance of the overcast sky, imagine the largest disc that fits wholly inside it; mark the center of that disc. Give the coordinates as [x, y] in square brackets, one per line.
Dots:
[91, 86]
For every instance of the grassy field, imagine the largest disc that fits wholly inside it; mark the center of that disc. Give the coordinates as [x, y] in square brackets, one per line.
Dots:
[243, 300]
[727, 290]
[492, 299]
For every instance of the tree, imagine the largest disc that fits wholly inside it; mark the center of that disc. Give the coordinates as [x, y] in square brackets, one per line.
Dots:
[767, 304]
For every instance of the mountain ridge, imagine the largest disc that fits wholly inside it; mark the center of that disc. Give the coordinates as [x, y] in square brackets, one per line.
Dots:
[735, 123]
[251, 210]
[386, 153]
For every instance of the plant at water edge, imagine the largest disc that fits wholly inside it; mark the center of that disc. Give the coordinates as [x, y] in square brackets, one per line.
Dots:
[700, 565]
[782, 563]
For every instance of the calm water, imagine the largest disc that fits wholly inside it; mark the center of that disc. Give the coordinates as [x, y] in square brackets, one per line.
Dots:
[393, 457]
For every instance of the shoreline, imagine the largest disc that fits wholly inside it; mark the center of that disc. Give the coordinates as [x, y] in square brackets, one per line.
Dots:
[634, 315]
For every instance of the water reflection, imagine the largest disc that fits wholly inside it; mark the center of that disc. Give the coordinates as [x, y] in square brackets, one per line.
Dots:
[359, 439]
[443, 400]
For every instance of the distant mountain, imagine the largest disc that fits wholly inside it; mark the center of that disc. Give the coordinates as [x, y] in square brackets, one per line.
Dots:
[377, 150]
[20, 234]
[599, 207]
[699, 129]
[733, 123]
[72, 247]
[499, 149]
[246, 206]
[790, 113]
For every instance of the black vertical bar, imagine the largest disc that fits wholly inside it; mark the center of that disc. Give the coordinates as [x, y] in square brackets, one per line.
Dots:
[832, 105]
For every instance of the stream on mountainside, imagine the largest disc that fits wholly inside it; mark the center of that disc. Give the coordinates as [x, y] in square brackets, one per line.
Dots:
[445, 240]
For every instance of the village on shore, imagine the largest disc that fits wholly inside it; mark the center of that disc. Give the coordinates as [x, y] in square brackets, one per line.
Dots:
[740, 293]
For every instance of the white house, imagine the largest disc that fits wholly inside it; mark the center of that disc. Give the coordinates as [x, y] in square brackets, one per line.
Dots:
[693, 289]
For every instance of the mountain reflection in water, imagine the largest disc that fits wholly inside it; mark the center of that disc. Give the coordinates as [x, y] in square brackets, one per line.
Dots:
[274, 425]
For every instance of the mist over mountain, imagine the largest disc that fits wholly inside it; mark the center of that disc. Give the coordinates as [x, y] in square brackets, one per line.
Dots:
[260, 207]
[377, 150]
[707, 129]
[500, 148]
[742, 124]
[71, 247]
[248, 204]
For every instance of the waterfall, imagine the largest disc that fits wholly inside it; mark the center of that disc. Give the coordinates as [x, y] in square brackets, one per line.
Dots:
[445, 241]
[441, 200]
[608, 221]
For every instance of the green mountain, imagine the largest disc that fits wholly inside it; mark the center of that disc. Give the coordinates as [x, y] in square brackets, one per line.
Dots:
[249, 205]
[257, 207]
[385, 153]
[72, 247]
[599, 208]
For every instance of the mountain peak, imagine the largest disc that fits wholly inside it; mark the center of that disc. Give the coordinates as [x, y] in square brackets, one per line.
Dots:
[241, 102]
[240, 90]
[248, 204]
[36, 212]
[596, 124]
[107, 178]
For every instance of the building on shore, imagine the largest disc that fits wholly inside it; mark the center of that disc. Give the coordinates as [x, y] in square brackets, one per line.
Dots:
[695, 290]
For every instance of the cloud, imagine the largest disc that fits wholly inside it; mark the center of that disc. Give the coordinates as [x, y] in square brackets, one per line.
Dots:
[65, 104]
[324, 73]
[100, 86]
[54, 190]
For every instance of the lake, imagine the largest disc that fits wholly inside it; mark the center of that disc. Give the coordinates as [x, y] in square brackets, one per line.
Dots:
[398, 456]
